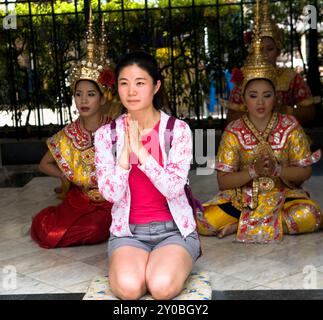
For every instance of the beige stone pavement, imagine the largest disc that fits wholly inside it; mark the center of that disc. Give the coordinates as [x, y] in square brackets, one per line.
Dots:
[295, 263]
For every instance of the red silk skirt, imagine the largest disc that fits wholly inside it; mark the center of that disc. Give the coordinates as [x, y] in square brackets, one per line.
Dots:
[76, 221]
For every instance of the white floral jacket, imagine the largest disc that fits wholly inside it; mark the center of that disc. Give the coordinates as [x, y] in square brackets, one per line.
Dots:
[169, 179]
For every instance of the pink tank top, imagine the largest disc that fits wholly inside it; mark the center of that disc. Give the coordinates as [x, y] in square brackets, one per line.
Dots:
[147, 203]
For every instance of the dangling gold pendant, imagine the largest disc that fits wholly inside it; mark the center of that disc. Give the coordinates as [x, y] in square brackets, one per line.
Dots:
[87, 156]
[266, 184]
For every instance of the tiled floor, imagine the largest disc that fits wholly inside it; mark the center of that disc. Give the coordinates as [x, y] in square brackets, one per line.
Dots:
[295, 263]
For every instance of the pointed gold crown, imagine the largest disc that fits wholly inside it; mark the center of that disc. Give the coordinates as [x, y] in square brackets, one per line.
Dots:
[103, 45]
[94, 67]
[268, 28]
[107, 76]
[257, 65]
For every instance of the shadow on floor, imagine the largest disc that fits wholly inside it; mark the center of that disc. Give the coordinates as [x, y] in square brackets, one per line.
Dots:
[19, 179]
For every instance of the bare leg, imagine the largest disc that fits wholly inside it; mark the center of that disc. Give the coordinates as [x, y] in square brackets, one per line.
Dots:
[127, 269]
[167, 270]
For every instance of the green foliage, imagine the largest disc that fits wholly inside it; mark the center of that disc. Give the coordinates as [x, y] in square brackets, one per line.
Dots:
[53, 38]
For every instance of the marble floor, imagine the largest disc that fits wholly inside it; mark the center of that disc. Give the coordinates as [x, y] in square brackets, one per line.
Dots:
[295, 263]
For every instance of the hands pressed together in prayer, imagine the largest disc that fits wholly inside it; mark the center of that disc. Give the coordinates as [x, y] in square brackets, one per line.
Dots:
[132, 143]
[265, 166]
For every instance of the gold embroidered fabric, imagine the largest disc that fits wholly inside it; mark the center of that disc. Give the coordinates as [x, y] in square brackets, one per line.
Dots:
[73, 150]
[238, 149]
[73, 162]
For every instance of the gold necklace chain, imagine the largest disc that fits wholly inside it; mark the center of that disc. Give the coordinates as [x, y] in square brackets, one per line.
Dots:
[261, 137]
[262, 183]
[90, 131]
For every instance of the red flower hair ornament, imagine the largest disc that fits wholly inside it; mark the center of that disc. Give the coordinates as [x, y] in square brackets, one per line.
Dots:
[237, 76]
[107, 79]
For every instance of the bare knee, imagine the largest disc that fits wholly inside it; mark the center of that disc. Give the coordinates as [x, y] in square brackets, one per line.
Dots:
[163, 287]
[127, 287]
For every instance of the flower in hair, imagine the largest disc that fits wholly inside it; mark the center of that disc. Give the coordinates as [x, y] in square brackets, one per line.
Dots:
[107, 78]
[237, 76]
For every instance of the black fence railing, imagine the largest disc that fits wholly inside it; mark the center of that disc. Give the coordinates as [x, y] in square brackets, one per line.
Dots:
[196, 42]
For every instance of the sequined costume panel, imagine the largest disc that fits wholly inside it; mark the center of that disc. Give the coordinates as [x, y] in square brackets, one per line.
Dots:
[73, 151]
[264, 223]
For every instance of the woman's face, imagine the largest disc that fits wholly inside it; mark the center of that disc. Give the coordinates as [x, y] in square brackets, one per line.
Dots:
[88, 99]
[270, 49]
[136, 88]
[259, 98]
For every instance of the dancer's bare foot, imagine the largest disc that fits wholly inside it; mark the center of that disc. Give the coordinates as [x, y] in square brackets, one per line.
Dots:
[228, 229]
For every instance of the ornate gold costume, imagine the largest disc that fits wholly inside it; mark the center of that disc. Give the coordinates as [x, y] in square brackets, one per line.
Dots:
[265, 205]
[84, 216]
[73, 151]
[291, 89]
[263, 212]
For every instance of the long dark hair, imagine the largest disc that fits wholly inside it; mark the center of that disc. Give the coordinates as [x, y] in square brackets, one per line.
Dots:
[148, 63]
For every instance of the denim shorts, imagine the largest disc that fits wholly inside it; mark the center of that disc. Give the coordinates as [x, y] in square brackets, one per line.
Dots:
[154, 235]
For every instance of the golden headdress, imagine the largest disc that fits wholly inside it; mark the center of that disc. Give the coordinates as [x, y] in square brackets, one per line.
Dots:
[268, 27]
[257, 65]
[95, 67]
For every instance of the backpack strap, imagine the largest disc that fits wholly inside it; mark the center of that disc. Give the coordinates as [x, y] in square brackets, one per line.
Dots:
[113, 126]
[169, 133]
[193, 202]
